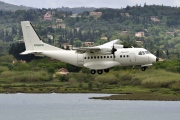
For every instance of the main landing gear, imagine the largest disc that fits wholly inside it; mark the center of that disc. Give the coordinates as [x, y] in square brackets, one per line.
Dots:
[143, 68]
[99, 71]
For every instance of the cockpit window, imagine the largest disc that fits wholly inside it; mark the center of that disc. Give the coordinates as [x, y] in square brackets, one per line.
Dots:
[147, 52]
[143, 52]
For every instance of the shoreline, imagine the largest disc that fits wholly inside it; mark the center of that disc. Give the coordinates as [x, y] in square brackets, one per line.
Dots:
[112, 96]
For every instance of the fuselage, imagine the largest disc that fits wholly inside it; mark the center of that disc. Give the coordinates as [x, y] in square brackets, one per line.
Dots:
[122, 57]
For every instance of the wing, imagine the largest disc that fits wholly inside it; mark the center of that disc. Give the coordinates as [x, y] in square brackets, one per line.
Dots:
[105, 48]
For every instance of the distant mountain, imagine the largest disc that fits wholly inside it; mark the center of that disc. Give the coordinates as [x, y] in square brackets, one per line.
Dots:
[11, 7]
[77, 10]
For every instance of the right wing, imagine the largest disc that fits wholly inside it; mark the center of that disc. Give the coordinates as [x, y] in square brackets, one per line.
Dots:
[103, 49]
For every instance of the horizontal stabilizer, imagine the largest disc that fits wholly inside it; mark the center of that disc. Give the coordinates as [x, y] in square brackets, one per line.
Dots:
[30, 52]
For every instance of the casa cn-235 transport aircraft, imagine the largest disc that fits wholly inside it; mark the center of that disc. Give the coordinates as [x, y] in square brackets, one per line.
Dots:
[97, 59]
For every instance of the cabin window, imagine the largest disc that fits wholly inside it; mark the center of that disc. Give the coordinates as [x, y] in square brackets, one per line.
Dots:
[124, 56]
[88, 57]
[127, 55]
[140, 53]
[84, 57]
[107, 56]
[111, 56]
[104, 56]
[98, 57]
[101, 57]
[120, 56]
[94, 57]
[91, 57]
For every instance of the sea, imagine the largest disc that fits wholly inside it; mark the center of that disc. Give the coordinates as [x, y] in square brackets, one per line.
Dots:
[79, 107]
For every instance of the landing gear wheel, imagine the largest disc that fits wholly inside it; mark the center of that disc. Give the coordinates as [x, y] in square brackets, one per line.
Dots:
[99, 72]
[93, 71]
[106, 70]
[143, 68]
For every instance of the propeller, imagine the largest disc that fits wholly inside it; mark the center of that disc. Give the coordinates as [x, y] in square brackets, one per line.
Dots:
[113, 51]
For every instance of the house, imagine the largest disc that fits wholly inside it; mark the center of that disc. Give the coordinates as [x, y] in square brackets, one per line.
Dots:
[48, 16]
[104, 38]
[50, 37]
[88, 44]
[75, 15]
[124, 32]
[59, 20]
[140, 43]
[125, 14]
[139, 34]
[155, 19]
[61, 71]
[96, 14]
[62, 25]
[170, 33]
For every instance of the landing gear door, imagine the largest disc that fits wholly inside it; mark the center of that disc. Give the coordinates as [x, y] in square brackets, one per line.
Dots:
[132, 58]
[80, 59]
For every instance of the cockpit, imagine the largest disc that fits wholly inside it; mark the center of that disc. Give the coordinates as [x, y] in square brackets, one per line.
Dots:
[144, 52]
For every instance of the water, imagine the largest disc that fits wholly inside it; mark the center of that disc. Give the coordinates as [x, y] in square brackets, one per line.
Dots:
[79, 107]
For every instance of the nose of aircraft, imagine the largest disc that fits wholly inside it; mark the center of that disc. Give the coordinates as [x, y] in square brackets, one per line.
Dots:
[153, 58]
[157, 59]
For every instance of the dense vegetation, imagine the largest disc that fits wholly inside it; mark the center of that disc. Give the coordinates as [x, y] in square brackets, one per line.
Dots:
[161, 37]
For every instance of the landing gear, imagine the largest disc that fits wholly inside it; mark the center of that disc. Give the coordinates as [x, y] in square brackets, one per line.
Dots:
[93, 71]
[143, 68]
[99, 72]
[106, 70]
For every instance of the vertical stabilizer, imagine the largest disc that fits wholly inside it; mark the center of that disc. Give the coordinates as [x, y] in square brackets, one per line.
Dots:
[32, 41]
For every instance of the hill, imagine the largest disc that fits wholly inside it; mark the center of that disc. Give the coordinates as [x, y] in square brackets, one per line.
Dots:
[10, 7]
[77, 10]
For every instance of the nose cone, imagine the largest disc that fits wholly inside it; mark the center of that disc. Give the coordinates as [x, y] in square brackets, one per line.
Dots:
[157, 59]
[153, 58]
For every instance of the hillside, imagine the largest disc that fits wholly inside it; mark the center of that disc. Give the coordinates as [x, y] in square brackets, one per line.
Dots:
[10, 7]
[77, 10]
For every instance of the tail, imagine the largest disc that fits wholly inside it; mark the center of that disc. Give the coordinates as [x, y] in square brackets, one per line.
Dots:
[32, 41]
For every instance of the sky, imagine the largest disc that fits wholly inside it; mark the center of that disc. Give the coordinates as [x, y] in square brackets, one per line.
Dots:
[91, 3]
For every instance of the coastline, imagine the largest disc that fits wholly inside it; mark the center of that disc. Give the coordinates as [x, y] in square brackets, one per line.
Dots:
[117, 95]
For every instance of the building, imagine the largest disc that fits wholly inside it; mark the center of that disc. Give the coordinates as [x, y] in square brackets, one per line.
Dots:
[96, 14]
[104, 38]
[48, 16]
[88, 44]
[59, 20]
[155, 19]
[139, 34]
[140, 43]
[124, 33]
[125, 14]
[61, 71]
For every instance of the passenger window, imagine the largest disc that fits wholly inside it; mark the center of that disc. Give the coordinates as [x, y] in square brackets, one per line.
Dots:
[101, 57]
[124, 56]
[140, 53]
[91, 57]
[84, 57]
[127, 55]
[104, 56]
[94, 57]
[120, 56]
[107, 56]
[111, 56]
[88, 57]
